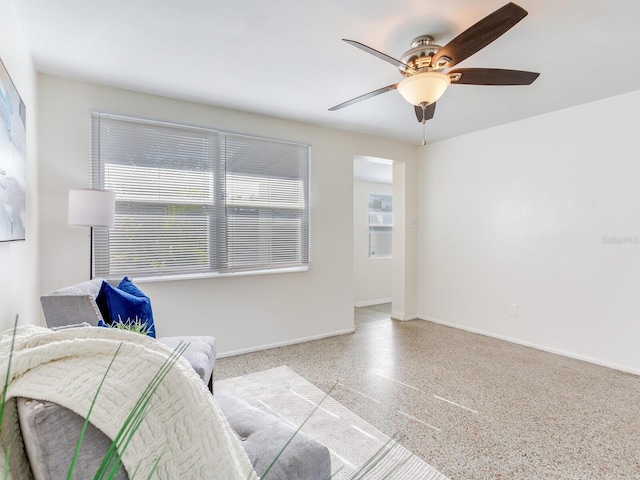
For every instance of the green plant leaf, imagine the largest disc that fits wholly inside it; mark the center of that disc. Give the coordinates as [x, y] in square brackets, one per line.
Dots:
[109, 464]
[154, 468]
[6, 377]
[132, 325]
[6, 461]
[86, 420]
[375, 458]
[296, 432]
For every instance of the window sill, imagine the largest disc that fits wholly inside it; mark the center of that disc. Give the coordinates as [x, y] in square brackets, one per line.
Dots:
[199, 276]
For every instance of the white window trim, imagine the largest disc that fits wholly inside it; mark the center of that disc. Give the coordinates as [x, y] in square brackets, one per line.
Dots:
[299, 222]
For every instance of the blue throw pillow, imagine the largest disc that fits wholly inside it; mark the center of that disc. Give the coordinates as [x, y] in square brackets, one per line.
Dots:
[125, 305]
[128, 286]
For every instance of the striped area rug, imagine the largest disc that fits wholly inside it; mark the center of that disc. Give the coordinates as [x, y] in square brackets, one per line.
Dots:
[351, 441]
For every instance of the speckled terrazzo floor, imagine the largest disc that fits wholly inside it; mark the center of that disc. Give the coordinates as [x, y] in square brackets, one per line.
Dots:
[472, 406]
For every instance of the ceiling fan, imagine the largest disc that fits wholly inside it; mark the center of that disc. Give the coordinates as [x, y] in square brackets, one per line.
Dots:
[426, 65]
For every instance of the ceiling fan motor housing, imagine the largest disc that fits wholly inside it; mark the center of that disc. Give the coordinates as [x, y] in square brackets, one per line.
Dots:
[419, 56]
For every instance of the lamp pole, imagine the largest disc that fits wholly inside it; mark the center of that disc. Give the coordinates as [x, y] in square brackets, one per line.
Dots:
[91, 208]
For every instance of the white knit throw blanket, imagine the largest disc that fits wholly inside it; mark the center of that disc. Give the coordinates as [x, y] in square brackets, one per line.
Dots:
[184, 426]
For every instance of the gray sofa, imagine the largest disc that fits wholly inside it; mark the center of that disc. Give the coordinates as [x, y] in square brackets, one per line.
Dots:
[50, 431]
[77, 304]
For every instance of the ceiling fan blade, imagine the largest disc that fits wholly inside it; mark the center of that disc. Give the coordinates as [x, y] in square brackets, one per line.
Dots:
[428, 112]
[365, 96]
[376, 53]
[493, 76]
[480, 34]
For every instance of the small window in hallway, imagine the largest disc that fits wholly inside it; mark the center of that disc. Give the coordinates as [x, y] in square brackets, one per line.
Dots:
[380, 225]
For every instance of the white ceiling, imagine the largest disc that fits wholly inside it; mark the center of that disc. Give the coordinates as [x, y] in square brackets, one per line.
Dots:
[285, 58]
[371, 169]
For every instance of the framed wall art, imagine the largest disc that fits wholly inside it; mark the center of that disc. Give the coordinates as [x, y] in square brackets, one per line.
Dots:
[13, 180]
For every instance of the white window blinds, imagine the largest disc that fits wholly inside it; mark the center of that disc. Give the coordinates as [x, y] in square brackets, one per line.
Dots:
[193, 200]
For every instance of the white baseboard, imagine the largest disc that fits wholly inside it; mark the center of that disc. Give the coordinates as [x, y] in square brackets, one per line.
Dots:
[370, 303]
[564, 353]
[259, 348]
[402, 317]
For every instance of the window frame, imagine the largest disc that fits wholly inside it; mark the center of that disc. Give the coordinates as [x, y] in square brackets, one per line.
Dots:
[216, 209]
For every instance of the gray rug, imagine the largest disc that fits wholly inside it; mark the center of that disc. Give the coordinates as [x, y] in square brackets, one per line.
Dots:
[351, 440]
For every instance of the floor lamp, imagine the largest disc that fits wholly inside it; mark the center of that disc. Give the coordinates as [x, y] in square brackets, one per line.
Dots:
[91, 208]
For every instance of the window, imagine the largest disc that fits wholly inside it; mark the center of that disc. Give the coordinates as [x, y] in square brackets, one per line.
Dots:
[380, 225]
[193, 200]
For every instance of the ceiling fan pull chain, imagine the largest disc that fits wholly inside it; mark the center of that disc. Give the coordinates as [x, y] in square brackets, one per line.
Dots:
[424, 123]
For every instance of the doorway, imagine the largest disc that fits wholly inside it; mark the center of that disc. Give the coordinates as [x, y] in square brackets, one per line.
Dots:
[373, 248]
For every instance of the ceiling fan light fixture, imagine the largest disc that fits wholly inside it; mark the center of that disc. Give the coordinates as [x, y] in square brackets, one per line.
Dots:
[425, 87]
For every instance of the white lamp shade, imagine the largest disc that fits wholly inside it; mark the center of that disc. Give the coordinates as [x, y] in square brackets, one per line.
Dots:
[425, 87]
[91, 208]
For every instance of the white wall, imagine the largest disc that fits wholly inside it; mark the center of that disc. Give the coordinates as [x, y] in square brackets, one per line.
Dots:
[243, 313]
[525, 214]
[18, 260]
[372, 276]
[405, 241]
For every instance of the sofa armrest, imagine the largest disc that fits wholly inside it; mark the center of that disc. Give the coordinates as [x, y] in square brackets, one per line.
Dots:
[50, 433]
[201, 354]
[263, 436]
